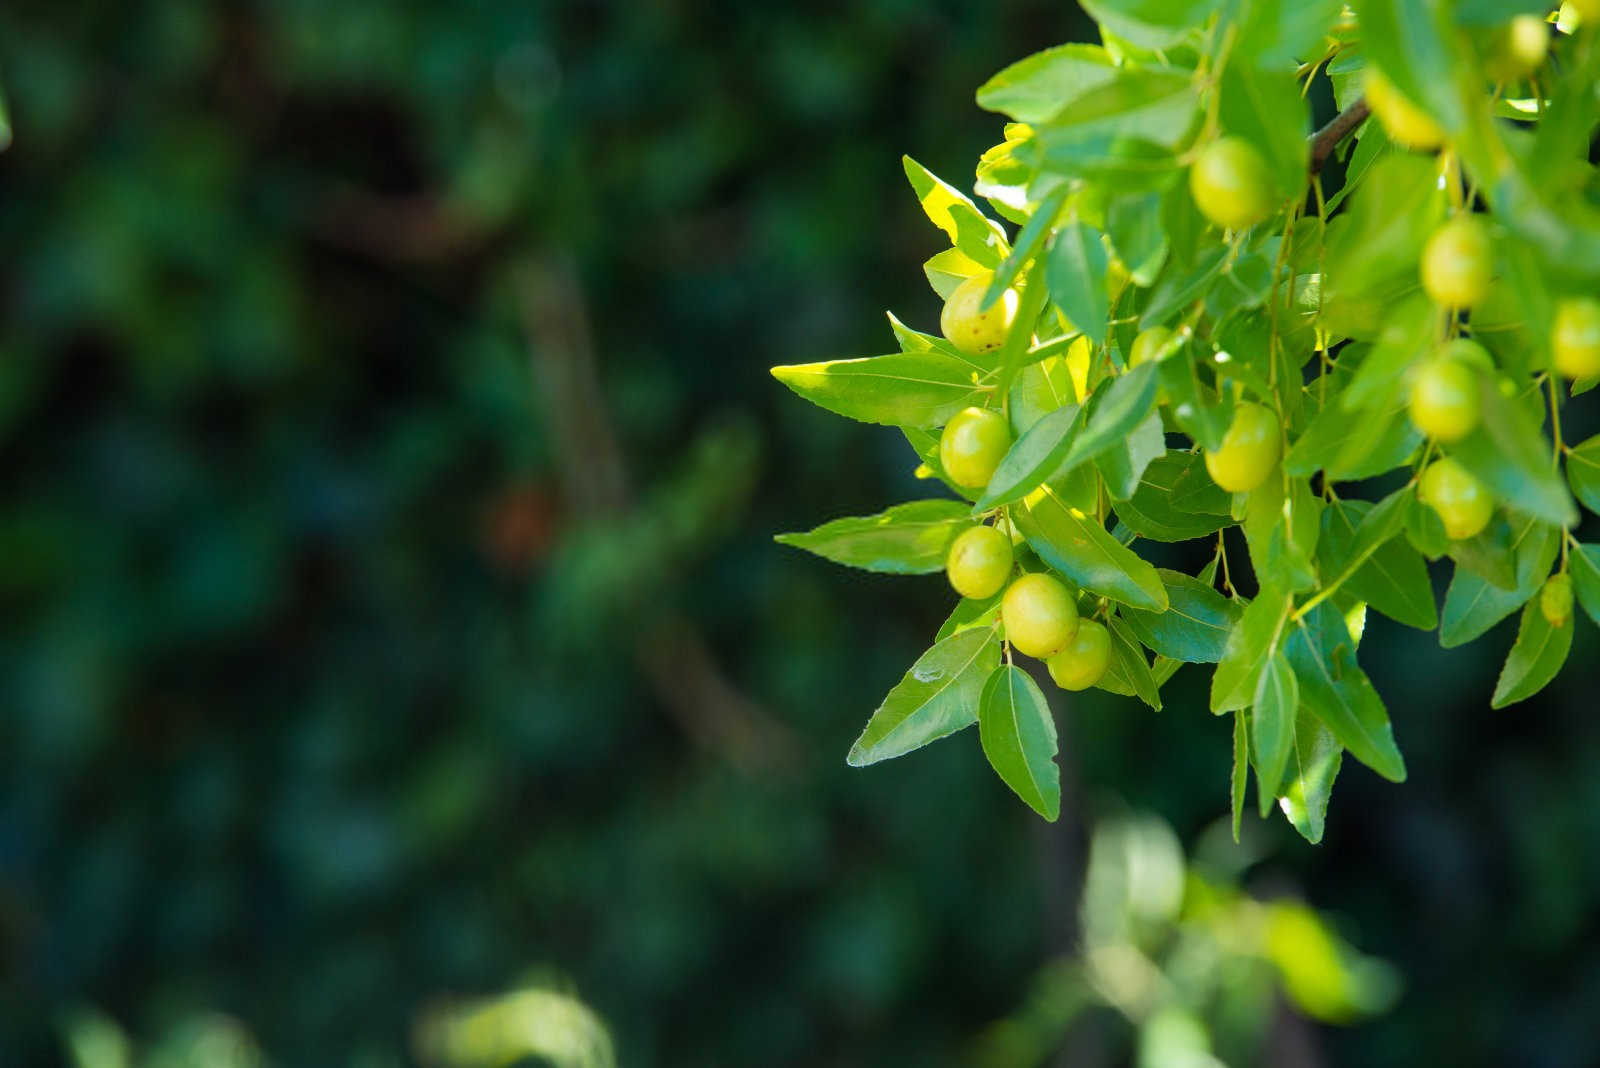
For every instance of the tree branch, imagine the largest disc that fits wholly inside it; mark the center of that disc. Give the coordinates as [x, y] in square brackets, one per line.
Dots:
[1339, 127]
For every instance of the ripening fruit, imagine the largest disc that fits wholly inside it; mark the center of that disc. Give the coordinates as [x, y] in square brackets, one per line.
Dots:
[972, 445]
[1039, 614]
[1519, 48]
[1082, 662]
[1555, 600]
[979, 562]
[968, 326]
[1231, 184]
[1464, 504]
[1456, 262]
[1444, 399]
[1575, 339]
[1406, 124]
[1147, 344]
[1249, 449]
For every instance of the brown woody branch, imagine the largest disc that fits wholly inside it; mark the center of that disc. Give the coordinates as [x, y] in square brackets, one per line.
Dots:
[1325, 140]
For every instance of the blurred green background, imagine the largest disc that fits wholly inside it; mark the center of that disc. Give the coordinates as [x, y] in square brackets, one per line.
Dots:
[389, 614]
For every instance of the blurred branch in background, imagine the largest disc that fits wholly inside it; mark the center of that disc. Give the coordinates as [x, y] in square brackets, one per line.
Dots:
[610, 526]
[1197, 969]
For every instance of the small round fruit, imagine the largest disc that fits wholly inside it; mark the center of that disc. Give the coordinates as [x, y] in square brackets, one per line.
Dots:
[1249, 449]
[972, 445]
[1039, 614]
[1147, 344]
[1464, 504]
[1457, 261]
[1444, 399]
[1555, 600]
[1575, 340]
[1082, 662]
[1406, 124]
[1519, 48]
[979, 562]
[1231, 184]
[969, 326]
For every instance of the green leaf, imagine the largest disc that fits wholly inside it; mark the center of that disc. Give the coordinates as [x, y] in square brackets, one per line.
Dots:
[1250, 644]
[1472, 604]
[1241, 770]
[938, 696]
[920, 389]
[909, 539]
[1339, 693]
[1039, 87]
[946, 270]
[1149, 104]
[1149, 23]
[925, 443]
[1264, 106]
[1489, 554]
[1076, 273]
[1585, 565]
[1277, 701]
[1040, 389]
[1019, 738]
[1080, 548]
[1383, 570]
[1029, 241]
[1419, 50]
[1134, 225]
[1583, 473]
[1179, 288]
[1316, 761]
[1512, 458]
[954, 212]
[1195, 626]
[1535, 659]
[1281, 31]
[1373, 247]
[1032, 458]
[1176, 500]
[968, 614]
[1124, 463]
[1128, 662]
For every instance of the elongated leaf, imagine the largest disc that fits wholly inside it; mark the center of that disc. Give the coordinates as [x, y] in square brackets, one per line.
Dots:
[1472, 604]
[919, 389]
[1241, 770]
[940, 695]
[1124, 463]
[1335, 689]
[1508, 453]
[954, 212]
[1176, 500]
[1391, 576]
[1250, 644]
[1585, 565]
[1534, 660]
[1313, 767]
[1032, 458]
[1583, 473]
[1264, 106]
[969, 613]
[1019, 738]
[1076, 545]
[1489, 554]
[1150, 23]
[1195, 626]
[1134, 225]
[1115, 411]
[908, 539]
[1128, 660]
[1277, 702]
[1039, 87]
[1077, 278]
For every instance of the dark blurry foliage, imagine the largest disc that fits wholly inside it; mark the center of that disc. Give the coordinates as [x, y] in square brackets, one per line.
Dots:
[387, 599]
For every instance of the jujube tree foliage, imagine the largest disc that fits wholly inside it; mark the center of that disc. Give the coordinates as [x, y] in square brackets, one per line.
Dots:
[1192, 325]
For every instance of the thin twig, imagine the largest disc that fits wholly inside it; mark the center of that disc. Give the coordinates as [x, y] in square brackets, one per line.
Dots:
[1339, 127]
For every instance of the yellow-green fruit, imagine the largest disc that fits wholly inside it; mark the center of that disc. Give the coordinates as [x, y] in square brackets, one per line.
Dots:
[1147, 344]
[1444, 399]
[1231, 184]
[969, 326]
[1249, 449]
[1555, 600]
[1464, 504]
[1082, 662]
[1575, 339]
[1457, 262]
[972, 445]
[1519, 49]
[979, 562]
[1039, 614]
[1406, 124]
